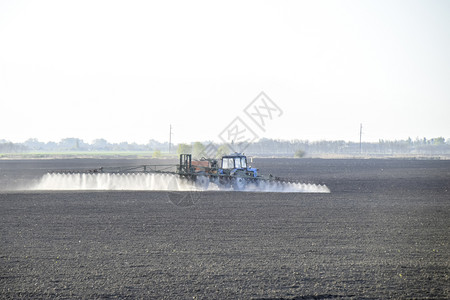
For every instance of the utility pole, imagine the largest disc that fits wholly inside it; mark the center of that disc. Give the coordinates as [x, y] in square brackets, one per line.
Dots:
[170, 137]
[360, 138]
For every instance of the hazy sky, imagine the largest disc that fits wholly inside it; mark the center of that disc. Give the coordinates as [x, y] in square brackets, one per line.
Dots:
[125, 70]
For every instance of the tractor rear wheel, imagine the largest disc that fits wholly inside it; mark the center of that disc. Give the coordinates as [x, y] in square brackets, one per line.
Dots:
[202, 182]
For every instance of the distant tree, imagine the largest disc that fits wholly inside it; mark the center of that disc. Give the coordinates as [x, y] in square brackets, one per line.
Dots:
[156, 154]
[9, 147]
[52, 146]
[69, 144]
[299, 153]
[34, 144]
[184, 149]
[100, 144]
[198, 149]
[153, 144]
[223, 150]
[439, 141]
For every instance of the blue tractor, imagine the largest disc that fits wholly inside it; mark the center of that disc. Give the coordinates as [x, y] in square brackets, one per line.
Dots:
[232, 171]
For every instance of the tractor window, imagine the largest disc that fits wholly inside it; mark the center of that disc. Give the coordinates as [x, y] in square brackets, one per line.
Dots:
[237, 163]
[243, 162]
[227, 163]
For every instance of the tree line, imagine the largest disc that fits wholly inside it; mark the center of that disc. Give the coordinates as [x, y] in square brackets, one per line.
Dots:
[78, 145]
[264, 147]
[383, 147]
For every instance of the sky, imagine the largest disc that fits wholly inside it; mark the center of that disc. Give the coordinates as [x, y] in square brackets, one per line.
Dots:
[127, 70]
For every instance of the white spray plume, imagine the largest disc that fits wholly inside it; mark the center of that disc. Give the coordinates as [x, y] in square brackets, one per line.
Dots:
[161, 182]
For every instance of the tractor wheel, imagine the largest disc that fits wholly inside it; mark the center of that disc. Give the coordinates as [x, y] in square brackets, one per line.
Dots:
[202, 182]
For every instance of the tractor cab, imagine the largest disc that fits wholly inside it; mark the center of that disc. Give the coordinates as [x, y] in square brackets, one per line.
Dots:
[236, 163]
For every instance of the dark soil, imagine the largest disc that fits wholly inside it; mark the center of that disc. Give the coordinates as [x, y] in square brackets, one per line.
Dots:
[382, 232]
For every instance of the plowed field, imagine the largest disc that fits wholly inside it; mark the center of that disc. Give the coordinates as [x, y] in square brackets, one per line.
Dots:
[382, 232]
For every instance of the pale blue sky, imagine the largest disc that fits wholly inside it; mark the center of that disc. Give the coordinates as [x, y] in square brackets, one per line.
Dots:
[125, 70]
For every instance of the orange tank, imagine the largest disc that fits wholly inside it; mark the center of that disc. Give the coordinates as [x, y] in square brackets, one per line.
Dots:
[200, 165]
